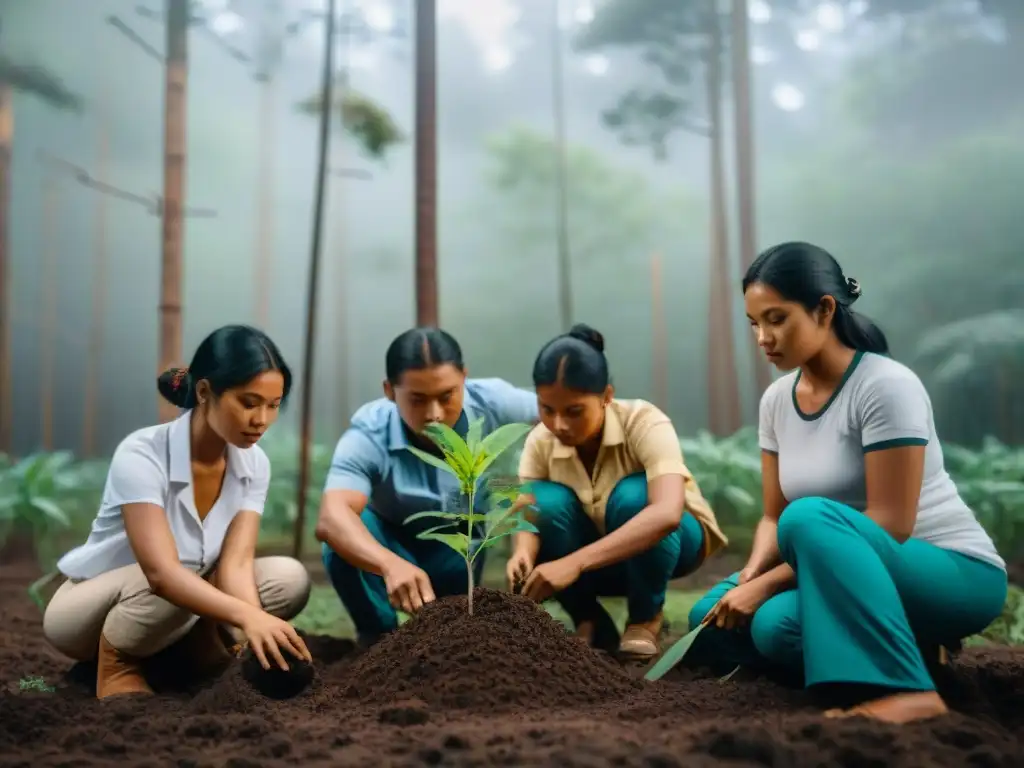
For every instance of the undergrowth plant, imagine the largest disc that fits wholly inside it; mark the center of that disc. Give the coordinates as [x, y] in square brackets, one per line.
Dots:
[468, 460]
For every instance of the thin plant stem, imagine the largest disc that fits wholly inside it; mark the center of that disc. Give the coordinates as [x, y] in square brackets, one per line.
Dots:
[469, 545]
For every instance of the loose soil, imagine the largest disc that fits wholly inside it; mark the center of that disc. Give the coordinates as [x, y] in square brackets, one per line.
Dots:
[506, 686]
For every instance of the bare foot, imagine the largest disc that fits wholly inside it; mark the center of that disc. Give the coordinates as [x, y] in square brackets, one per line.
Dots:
[898, 709]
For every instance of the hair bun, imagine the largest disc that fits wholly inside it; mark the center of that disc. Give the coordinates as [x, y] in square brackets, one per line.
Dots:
[176, 387]
[854, 288]
[588, 335]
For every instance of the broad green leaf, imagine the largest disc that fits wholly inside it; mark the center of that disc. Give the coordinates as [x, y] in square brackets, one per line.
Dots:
[433, 461]
[674, 655]
[474, 436]
[448, 440]
[50, 508]
[501, 439]
[457, 541]
[738, 497]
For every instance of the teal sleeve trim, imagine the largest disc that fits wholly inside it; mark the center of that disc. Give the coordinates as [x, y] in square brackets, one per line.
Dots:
[899, 442]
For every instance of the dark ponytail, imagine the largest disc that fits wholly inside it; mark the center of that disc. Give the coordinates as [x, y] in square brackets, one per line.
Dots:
[230, 357]
[805, 273]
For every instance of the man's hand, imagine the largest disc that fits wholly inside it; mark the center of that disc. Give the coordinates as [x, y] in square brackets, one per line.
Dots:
[408, 587]
[550, 578]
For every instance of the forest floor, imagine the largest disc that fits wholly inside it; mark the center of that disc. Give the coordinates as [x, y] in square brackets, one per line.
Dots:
[505, 686]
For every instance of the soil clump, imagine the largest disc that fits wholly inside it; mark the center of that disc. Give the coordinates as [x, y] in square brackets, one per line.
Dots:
[404, 703]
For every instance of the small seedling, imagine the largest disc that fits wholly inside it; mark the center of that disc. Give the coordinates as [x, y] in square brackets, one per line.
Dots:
[468, 460]
[36, 684]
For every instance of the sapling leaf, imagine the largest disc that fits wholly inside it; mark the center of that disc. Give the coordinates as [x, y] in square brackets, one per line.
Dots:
[457, 541]
[501, 440]
[474, 518]
[475, 436]
[433, 460]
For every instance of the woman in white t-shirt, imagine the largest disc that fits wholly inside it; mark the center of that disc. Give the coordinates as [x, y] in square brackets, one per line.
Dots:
[171, 554]
[866, 558]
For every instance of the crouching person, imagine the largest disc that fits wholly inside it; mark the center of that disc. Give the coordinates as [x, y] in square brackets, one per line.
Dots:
[618, 512]
[171, 553]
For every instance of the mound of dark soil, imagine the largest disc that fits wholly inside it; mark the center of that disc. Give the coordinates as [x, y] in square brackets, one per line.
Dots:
[509, 653]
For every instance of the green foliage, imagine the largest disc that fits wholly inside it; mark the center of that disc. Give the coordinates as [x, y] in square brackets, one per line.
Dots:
[1008, 629]
[39, 82]
[46, 493]
[367, 121]
[611, 209]
[673, 40]
[467, 461]
[991, 482]
[281, 509]
[35, 684]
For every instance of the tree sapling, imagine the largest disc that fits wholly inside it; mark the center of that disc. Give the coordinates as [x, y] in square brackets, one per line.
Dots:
[468, 460]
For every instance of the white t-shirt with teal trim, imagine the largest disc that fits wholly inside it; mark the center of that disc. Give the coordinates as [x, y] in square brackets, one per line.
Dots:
[879, 404]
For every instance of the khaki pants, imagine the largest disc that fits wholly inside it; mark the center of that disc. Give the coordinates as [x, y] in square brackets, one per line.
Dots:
[120, 605]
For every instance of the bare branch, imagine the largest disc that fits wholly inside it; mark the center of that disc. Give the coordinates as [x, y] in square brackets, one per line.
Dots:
[136, 38]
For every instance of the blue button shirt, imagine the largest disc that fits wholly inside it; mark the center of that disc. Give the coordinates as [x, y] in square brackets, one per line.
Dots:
[371, 456]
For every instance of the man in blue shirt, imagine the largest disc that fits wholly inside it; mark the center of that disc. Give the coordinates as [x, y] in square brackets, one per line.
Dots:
[375, 563]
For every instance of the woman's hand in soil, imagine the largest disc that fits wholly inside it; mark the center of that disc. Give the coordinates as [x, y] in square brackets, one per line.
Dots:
[738, 605]
[518, 569]
[267, 635]
[408, 587]
[550, 578]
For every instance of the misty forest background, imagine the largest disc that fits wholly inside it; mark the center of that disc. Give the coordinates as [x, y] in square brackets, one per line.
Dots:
[893, 139]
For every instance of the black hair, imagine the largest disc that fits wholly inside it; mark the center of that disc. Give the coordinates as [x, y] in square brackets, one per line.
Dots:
[420, 348]
[575, 360]
[230, 357]
[805, 273]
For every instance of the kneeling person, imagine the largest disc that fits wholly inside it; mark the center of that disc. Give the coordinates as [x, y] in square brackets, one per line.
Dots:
[374, 561]
[618, 512]
[171, 554]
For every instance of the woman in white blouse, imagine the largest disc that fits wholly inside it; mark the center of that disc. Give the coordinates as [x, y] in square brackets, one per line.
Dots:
[171, 554]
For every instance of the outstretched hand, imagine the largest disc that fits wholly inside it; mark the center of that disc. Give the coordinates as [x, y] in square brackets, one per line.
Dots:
[550, 578]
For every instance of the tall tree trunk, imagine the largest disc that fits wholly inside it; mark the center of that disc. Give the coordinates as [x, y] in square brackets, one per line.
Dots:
[173, 224]
[309, 356]
[659, 337]
[48, 308]
[726, 415]
[6, 294]
[94, 357]
[746, 192]
[426, 163]
[561, 170]
[340, 392]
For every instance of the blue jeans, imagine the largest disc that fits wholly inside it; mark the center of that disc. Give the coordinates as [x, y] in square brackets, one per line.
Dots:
[363, 594]
[643, 579]
[863, 607]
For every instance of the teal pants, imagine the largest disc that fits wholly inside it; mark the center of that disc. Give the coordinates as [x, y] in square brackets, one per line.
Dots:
[863, 606]
[643, 579]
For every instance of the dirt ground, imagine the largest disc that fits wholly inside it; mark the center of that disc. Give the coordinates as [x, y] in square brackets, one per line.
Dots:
[504, 687]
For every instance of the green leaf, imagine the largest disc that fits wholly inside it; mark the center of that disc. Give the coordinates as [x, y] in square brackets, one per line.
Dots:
[500, 440]
[456, 516]
[474, 436]
[457, 541]
[50, 508]
[674, 655]
[433, 461]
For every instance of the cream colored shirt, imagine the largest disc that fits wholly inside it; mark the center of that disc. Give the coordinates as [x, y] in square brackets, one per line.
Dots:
[638, 437]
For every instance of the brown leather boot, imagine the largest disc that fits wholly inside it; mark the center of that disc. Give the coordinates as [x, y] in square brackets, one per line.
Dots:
[118, 673]
[205, 648]
[640, 641]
